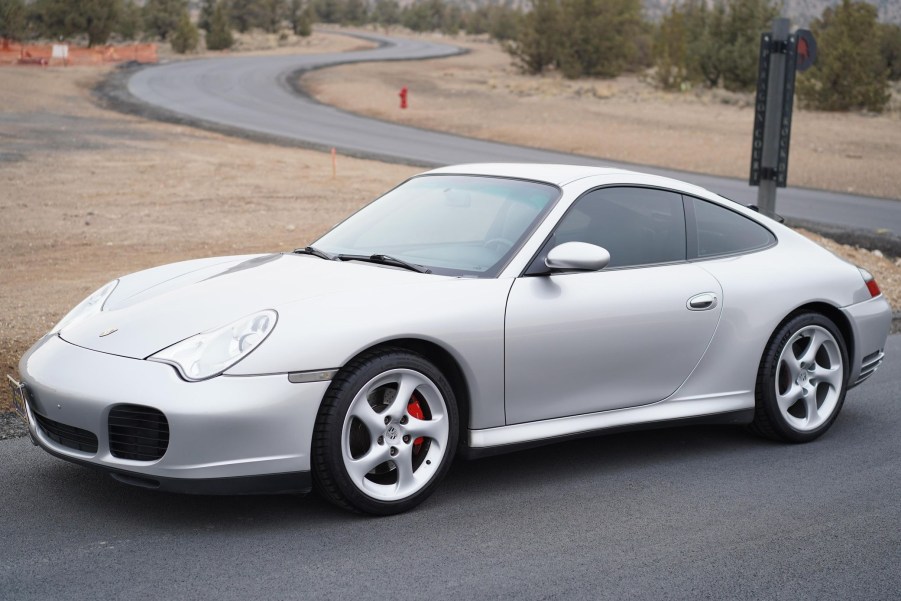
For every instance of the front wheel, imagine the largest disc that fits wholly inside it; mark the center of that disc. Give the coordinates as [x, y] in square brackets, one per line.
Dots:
[802, 380]
[386, 433]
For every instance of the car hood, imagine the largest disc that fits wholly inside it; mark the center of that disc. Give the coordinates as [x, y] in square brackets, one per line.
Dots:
[152, 310]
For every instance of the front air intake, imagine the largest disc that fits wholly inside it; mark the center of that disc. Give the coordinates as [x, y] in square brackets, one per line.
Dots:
[67, 436]
[138, 433]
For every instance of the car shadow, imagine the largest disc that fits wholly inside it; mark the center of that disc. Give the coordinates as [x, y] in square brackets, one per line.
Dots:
[601, 460]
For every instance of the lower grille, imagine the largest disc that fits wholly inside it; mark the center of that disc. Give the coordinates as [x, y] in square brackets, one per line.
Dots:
[68, 436]
[138, 433]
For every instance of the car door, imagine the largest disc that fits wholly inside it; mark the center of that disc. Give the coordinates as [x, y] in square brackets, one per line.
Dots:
[627, 335]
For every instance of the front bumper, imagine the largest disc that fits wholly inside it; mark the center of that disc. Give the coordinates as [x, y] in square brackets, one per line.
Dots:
[226, 435]
[870, 322]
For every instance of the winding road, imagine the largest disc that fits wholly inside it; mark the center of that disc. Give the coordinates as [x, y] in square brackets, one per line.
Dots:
[257, 96]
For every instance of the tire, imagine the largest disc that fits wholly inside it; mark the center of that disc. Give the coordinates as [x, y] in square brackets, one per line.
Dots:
[802, 380]
[375, 451]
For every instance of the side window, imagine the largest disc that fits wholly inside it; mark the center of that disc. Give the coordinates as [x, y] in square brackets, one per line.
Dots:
[722, 232]
[638, 226]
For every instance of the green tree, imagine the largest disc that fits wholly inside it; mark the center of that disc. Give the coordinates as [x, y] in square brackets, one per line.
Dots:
[739, 40]
[670, 51]
[301, 18]
[713, 45]
[207, 9]
[600, 37]
[185, 37]
[328, 11]
[268, 14]
[162, 17]
[356, 12]
[850, 73]
[12, 19]
[890, 48]
[386, 12]
[220, 33]
[503, 23]
[97, 18]
[130, 23]
[64, 18]
[424, 15]
[535, 48]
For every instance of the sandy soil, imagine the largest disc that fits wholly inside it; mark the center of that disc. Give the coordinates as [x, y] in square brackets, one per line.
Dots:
[87, 195]
[482, 95]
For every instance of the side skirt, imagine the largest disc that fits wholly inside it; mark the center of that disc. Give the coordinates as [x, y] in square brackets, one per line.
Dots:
[734, 408]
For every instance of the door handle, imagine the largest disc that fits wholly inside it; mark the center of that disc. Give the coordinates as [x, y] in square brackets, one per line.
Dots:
[702, 302]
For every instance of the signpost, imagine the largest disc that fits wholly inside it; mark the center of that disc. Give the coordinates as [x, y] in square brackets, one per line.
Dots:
[781, 54]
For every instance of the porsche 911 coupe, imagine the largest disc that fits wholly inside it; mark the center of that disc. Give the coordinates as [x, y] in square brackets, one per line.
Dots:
[471, 310]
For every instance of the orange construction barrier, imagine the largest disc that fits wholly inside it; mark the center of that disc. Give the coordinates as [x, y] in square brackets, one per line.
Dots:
[13, 53]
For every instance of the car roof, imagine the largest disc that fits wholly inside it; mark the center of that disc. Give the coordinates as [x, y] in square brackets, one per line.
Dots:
[553, 174]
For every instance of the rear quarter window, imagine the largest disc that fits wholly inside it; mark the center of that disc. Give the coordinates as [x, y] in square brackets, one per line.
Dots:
[724, 232]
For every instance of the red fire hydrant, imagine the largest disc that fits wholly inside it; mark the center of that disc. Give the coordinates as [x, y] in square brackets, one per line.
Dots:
[403, 97]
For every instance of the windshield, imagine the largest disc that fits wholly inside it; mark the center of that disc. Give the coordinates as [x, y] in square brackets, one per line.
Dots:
[450, 224]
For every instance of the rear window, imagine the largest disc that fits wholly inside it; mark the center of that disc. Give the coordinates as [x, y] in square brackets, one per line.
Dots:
[725, 232]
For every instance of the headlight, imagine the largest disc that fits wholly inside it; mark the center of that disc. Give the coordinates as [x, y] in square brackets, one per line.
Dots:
[92, 305]
[211, 353]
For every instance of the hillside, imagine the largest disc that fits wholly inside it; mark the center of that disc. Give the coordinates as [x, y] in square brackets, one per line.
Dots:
[801, 12]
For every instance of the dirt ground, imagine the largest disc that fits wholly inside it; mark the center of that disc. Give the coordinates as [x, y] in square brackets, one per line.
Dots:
[481, 94]
[87, 195]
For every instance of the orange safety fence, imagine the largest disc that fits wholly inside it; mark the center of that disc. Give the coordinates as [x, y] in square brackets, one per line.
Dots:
[12, 53]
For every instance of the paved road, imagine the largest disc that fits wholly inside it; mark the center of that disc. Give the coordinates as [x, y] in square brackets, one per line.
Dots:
[255, 94]
[690, 513]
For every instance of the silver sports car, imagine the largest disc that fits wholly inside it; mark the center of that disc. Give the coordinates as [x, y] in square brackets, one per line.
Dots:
[473, 309]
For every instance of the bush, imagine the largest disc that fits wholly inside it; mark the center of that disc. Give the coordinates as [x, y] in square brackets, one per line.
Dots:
[718, 45]
[890, 48]
[535, 47]
[163, 17]
[130, 22]
[851, 73]
[186, 36]
[220, 33]
[580, 37]
[12, 19]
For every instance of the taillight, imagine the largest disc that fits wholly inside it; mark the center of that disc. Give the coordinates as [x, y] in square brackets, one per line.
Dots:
[870, 281]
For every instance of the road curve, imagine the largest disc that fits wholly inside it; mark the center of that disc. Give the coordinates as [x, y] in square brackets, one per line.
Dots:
[257, 95]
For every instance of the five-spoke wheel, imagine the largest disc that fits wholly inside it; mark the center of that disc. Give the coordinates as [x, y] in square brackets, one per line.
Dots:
[802, 379]
[386, 433]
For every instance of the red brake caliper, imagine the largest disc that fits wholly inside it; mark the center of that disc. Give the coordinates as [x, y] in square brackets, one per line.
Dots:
[416, 411]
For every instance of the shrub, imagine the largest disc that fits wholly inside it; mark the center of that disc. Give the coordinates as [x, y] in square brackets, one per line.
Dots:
[185, 37]
[850, 73]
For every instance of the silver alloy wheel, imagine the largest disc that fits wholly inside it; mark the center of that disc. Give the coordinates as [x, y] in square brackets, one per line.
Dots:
[390, 453]
[809, 378]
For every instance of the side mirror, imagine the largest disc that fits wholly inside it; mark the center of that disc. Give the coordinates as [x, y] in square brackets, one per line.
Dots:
[578, 256]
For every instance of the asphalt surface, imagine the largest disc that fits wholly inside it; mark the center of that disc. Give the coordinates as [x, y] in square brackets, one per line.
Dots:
[684, 513]
[259, 96]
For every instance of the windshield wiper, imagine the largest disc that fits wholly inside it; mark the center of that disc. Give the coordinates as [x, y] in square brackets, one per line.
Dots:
[384, 260]
[312, 250]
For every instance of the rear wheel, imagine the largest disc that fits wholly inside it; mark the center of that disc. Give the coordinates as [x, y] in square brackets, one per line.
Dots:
[802, 380]
[385, 434]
